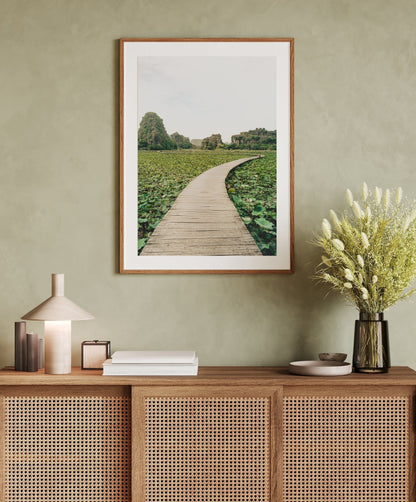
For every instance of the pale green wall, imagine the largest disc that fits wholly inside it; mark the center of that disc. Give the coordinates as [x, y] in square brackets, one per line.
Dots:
[355, 119]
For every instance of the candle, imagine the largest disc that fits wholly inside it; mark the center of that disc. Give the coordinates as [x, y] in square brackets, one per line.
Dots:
[20, 346]
[40, 364]
[32, 340]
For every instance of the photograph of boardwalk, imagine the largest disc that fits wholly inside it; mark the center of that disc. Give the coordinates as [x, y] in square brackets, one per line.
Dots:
[206, 152]
[206, 155]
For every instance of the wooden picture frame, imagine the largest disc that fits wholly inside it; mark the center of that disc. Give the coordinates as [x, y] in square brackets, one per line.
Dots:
[221, 203]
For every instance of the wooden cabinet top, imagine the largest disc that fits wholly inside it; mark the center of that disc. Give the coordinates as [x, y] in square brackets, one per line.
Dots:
[211, 375]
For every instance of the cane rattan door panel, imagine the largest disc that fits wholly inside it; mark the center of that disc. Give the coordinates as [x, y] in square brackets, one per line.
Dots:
[66, 448]
[207, 448]
[346, 448]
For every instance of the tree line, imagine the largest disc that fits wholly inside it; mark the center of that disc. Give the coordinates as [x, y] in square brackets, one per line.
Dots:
[152, 135]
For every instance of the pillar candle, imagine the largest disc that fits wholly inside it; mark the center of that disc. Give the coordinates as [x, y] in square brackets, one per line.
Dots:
[40, 364]
[32, 351]
[20, 346]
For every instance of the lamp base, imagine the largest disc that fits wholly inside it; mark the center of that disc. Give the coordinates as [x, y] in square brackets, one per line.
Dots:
[57, 347]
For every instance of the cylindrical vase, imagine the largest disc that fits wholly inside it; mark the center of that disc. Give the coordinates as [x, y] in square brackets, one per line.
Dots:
[371, 344]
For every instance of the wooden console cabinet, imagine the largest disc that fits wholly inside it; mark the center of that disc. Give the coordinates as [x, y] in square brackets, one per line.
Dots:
[228, 435]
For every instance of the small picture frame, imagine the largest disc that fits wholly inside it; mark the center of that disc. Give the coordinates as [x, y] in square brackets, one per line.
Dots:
[94, 353]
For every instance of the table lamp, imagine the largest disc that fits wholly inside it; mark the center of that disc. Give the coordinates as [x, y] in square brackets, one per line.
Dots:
[57, 312]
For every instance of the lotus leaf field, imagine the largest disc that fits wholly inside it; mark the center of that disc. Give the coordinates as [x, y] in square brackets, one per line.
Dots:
[162, 175]
[252, 188]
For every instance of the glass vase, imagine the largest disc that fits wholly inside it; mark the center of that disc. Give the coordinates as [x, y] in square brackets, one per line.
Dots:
[371, 344]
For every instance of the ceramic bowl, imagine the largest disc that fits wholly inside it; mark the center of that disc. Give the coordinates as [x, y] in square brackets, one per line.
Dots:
[332, 356]
[320, 368]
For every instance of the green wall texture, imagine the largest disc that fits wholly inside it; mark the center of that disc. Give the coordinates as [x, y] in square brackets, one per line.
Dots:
[355, 120]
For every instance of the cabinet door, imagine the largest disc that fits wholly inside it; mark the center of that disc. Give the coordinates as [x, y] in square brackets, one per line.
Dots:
[348, 445]
[203, 444]
[66, 444]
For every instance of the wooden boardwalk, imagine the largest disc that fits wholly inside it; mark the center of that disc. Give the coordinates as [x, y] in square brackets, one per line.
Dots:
[203, 220]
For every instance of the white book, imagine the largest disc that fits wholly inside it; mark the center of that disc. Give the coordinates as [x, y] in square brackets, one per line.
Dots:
[110, 368]
[154, 357]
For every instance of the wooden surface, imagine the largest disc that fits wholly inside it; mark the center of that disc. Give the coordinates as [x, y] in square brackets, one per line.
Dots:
[203, 221]
[138, 438]
[412, 447]
[2, 448]
[211, 375]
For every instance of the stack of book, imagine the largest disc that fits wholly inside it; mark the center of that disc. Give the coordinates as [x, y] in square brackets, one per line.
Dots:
[151, 363]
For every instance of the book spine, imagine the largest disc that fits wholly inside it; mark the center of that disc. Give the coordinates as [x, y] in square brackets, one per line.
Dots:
[159, 372]
[121, 357]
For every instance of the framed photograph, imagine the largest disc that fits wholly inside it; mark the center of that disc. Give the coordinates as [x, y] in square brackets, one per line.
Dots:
[206, 155]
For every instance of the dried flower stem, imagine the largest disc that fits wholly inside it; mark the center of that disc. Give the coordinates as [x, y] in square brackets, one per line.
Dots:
[377, 245]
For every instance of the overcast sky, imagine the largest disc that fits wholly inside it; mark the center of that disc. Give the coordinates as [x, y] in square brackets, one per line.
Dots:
[200, 96]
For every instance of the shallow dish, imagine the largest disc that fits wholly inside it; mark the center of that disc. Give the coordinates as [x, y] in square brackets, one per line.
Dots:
[320, 368]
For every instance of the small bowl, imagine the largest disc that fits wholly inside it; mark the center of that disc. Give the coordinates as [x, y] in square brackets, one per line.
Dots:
[332, 356]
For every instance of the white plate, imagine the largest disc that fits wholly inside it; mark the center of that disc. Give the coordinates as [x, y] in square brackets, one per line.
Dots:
[320, 368]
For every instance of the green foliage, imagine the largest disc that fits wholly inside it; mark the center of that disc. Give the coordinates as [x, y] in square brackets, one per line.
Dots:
[252, 188]
[370, 252]
[163, 175]
[152, 134]
[256, 139]
[181, 141]
[211, 143]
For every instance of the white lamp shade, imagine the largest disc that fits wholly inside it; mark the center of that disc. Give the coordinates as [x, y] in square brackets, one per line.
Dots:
[57, 307]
